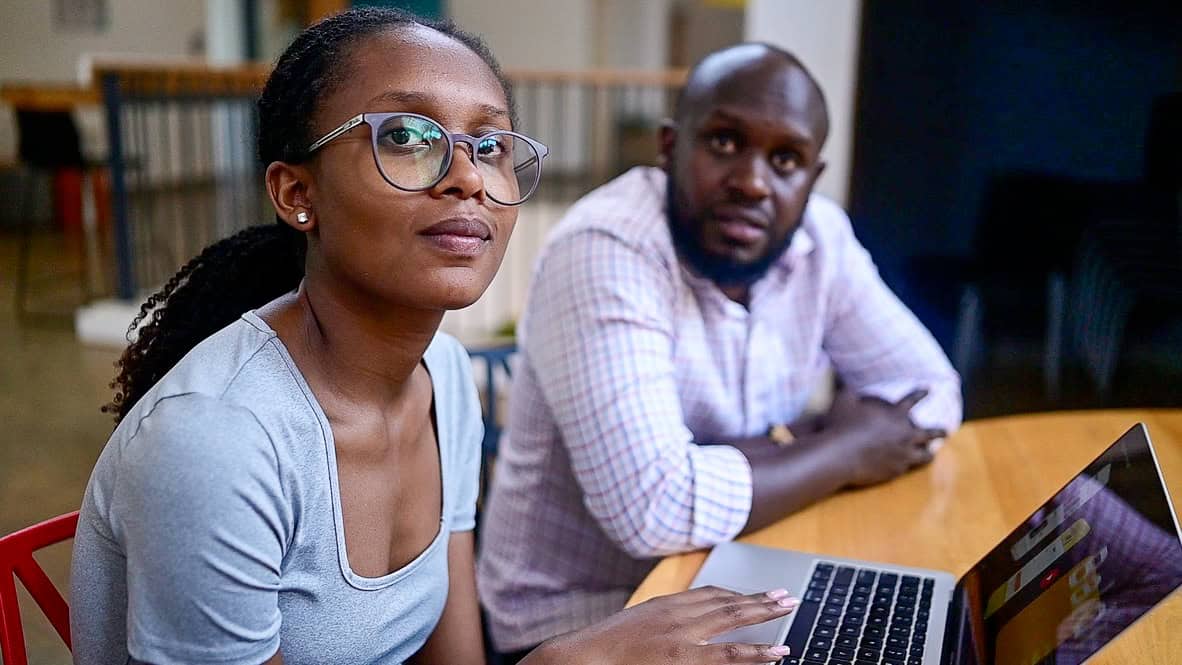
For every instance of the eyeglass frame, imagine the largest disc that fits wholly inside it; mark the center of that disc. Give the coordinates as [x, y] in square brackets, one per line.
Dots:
[375, 120]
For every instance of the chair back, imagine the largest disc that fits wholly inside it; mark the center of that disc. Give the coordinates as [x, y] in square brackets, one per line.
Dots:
[49, 139]
[1163, 143]
[495, 357]
[17, 562]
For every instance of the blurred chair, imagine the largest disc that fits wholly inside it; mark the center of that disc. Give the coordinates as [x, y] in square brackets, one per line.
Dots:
[50, 145]
[495, 358]
[1127, 292]
[1013, 283]
[17, 562]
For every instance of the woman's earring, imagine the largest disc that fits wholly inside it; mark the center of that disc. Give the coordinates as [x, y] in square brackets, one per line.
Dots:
[302, 217]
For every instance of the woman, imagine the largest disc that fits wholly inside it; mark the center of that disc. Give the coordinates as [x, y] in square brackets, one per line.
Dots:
[301, 485]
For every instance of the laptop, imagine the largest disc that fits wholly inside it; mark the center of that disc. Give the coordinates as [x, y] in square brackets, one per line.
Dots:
[1098, 555]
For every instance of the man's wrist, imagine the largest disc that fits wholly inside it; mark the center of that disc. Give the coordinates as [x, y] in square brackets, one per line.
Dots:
[837, 469]
[554, 651]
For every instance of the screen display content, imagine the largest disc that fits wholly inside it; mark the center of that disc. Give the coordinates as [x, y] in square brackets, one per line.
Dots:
[1096, 557]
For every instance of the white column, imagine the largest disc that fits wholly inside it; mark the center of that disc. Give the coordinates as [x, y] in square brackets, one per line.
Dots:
[824, 34]
[224, 42]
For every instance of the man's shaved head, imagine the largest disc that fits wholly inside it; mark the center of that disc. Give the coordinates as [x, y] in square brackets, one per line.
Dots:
[731, 74]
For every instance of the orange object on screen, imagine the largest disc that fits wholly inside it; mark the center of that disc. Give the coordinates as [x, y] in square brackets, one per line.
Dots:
[1070, 603]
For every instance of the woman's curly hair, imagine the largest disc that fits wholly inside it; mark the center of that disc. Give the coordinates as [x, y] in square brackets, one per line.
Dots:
[260, 263]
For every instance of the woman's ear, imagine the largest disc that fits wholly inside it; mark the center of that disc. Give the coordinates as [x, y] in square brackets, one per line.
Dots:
[287, 185]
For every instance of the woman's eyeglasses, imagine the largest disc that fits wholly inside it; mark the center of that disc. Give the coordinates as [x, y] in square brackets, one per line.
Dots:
[414, 153]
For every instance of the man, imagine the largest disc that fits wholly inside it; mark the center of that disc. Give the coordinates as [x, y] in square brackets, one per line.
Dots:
[678, 319]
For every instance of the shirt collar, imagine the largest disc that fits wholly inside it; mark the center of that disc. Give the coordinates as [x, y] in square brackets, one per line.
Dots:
[802, 244]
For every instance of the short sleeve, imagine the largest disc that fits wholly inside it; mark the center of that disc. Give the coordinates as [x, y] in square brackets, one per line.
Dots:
[200, 509]
[464, 439]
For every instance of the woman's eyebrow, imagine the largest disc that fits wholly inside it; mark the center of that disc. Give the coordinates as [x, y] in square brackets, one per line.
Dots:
[401, 97]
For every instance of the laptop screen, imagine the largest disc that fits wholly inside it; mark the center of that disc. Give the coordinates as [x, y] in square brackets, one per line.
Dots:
[1101, 553]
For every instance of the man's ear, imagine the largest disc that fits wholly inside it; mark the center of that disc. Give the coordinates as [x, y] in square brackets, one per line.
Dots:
[287, 185]
[666, 138]
[817, 171]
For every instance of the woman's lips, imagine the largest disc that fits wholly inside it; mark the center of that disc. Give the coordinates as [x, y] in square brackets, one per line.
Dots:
[460, 236]
[459, 245]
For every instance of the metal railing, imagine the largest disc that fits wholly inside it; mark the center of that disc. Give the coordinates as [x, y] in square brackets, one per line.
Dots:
[184, 172]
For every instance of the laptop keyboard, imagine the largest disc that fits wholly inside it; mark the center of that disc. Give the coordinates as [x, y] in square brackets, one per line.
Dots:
[859, 616]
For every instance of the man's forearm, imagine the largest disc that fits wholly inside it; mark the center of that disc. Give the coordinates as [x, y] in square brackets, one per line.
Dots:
[862, 441]
[784, 480]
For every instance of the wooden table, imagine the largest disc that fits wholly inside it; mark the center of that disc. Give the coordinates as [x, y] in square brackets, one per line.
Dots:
[988, 477]
[25, 96]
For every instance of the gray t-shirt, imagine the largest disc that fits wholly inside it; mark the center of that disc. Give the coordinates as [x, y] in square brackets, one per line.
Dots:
[211, 529]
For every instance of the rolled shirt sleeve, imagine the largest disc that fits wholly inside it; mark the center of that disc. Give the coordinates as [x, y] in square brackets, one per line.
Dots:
[878, 346]
[604, 359]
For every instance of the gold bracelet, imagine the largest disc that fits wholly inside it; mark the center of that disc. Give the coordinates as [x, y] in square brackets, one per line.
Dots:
[781, 435]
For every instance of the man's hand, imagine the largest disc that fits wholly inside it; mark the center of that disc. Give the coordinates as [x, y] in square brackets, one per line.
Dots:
[673, 630]
[878, 438]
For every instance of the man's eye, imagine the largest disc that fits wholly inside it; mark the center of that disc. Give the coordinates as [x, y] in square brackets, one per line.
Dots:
[785, 161]
[724, 143]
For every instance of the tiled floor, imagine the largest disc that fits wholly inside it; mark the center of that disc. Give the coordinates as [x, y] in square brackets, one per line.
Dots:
[51, 430]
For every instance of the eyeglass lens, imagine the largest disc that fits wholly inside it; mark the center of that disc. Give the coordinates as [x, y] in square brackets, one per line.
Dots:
[413, 154]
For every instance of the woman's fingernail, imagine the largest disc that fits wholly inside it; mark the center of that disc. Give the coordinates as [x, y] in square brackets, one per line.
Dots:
[781, 650]
[789, 602]
[776, 594]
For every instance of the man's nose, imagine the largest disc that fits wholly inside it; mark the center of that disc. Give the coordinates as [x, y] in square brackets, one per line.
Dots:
[749, 178]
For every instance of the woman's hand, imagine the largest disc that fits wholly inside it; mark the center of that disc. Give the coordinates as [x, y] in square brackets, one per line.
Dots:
[673, 630]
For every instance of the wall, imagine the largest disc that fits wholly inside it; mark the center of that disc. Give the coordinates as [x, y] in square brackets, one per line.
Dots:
[528, 34]
[704, 28]
[31, 49]
[825, 36]
[632, 35]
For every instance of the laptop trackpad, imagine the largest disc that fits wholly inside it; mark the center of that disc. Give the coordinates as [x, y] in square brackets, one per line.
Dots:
[764, 633]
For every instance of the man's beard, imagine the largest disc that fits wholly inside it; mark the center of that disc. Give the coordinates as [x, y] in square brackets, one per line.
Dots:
[720, 270]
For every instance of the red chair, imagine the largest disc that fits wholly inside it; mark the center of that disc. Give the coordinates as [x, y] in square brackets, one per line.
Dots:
[16, 558]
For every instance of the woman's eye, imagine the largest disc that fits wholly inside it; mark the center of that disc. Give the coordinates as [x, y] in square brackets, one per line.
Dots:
[409, 136]
[491, 146]
[785, 161]
[400, 136]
